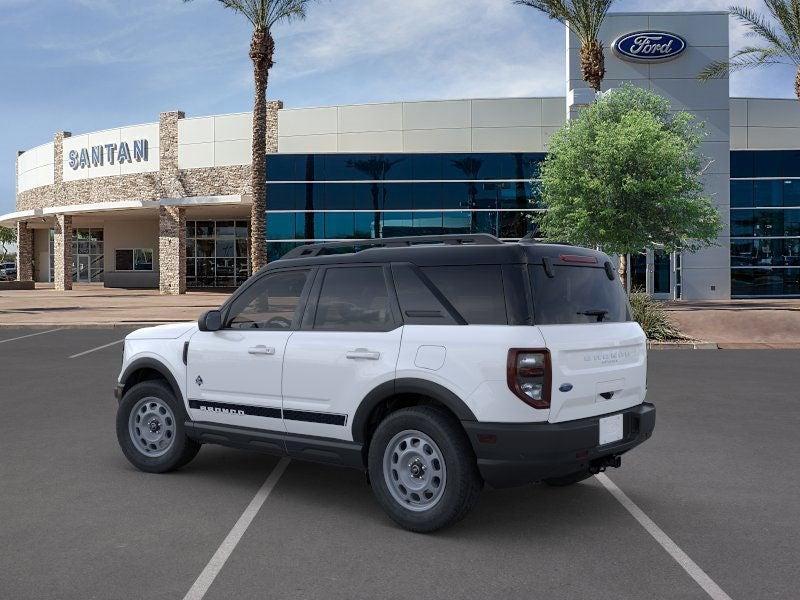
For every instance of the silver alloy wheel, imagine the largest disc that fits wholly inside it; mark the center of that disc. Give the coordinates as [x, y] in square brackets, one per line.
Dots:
[414, 470]
[151, 426]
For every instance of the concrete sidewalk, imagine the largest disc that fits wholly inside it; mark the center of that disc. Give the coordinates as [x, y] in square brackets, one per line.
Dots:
[740, 323]
[92, 305]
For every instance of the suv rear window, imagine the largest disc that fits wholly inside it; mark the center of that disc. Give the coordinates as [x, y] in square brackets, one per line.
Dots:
[577, 295]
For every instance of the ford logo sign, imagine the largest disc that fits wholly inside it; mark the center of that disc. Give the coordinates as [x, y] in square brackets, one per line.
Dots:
[649, 46]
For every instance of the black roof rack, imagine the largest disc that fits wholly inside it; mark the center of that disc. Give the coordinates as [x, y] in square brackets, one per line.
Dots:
[309, 250]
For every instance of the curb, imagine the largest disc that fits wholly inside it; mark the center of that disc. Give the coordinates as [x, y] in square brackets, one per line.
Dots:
[112, 325]
[682, 346]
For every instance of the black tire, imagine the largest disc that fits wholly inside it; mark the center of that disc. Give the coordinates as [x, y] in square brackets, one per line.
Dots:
[463, 481]
[182, 449]
[566, 480]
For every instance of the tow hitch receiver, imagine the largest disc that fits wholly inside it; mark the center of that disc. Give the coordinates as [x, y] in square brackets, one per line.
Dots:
[601, 464]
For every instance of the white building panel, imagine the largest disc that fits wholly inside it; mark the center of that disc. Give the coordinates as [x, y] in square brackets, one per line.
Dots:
[697, 28]
[371, 141]
[370, 117]
[507, 139]
[437, 140]
[554, 111]
[739, 138]
[773, 113]
[508, 112]
[444, 114]
[195, 156]
[302, 144]
[196, 131]
[738, 108]
[767, 138]
[234, 152]
[308, 121]
[237, 126]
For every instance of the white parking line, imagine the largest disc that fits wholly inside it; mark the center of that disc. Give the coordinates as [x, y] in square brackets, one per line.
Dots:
[96, 349]
[688, 565]
[214, 566]
[22, 337]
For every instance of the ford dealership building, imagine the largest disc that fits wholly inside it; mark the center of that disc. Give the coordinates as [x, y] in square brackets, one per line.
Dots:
[166, 204]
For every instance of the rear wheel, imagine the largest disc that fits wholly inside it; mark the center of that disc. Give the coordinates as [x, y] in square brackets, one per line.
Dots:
[150, 428]
[422, 469]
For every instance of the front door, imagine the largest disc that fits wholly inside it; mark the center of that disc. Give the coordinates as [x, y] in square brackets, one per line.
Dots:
[83, 269]
[348, 345]
[234, 375]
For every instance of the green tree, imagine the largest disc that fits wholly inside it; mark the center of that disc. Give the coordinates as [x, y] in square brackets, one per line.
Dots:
[263, 15]
[584, 19]
[8, 236]
[778, 37]
[625, 176]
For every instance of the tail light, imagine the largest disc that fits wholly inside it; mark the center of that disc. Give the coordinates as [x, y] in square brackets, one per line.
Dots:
[529, 376]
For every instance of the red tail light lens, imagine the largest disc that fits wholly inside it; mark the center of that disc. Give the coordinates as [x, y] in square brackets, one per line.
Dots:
[529, 377]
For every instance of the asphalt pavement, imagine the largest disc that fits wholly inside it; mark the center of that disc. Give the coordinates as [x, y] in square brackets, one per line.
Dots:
[719, 478]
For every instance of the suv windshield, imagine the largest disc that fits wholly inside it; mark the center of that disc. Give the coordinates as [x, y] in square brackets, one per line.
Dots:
[577, 295]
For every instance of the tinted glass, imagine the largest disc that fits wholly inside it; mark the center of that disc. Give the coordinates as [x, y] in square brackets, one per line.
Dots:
[270, 303]
[353, 299]
[418, 303]
[123, 260]
[577, 295]
[741, 194]
[742, 164]
[476, 292]
[768, 193]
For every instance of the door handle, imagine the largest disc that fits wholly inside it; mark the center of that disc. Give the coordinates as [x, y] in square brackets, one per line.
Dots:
[261, 350]
[364, 354]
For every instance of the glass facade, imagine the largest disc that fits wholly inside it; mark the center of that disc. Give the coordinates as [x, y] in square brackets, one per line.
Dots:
[217, 253]
[765, 223]
[327, 197]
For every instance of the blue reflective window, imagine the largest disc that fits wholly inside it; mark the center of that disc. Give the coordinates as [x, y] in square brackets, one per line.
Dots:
[367, 225]
[309, 226]
[282, 196]
[484, 195]
[398, 224]
[514, 224]
[457, 222]
[311, 196]
[455, 195]
[791, 192]
[742, 163]
[280, 226]
[791, 222]
[768, 163]
[427, 223]
[768, 193]
[765, 282]
[426, 195]
[367, 196]
[397, 196]
[339, 196]
[339, 225]
[426, 166]
[741, 194]
[281, 167]
[485, 222]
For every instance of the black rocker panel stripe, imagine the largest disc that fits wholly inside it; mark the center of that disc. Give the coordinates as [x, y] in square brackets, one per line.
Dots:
[273, 413]
[236, 409]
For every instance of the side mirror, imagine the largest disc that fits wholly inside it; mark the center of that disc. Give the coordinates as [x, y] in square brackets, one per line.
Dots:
[210, 321]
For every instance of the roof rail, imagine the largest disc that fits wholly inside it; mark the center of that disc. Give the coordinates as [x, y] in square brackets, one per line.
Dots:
[478, 239]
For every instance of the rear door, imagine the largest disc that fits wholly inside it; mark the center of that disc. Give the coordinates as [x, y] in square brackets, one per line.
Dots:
[234, 375]
[598, 354]
[347, 346]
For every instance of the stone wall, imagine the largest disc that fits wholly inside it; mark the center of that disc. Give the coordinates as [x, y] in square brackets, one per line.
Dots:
[24, 252]
[172, 250]
[62, 253]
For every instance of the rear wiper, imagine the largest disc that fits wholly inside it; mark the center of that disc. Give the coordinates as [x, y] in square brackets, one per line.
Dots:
[598, 312]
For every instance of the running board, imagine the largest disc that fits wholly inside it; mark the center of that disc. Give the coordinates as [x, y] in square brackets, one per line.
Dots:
[302, 447]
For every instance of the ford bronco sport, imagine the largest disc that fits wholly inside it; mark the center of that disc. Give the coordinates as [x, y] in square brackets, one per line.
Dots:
[434, 364]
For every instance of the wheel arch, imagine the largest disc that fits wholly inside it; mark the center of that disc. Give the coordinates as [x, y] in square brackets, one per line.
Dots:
[146, 368]
[405, 388]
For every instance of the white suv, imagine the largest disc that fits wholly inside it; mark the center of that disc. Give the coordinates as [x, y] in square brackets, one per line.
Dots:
[434, 364]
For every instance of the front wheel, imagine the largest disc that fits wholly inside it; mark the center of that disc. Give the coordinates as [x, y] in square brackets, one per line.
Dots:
[423, 470]
[150, 428]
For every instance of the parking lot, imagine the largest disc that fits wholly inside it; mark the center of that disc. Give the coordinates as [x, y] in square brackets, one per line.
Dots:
[719, 478]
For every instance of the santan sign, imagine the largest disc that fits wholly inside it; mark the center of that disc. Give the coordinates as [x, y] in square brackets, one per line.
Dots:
[649, 46]
[97, 156]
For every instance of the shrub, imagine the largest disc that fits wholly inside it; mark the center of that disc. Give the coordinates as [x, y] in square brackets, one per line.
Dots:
[655, 321]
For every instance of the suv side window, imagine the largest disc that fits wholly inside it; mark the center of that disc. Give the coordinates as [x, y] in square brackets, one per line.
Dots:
[354, 299]
[270, 303]
[418, 303]
[476, 291]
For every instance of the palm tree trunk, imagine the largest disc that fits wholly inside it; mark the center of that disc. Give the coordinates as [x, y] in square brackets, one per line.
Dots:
[262, 48]
[797, 84]
[622, 270]
[593, 64]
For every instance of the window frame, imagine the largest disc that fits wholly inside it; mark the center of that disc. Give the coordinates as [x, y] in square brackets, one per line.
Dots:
[133, 260]
[310, 311]
[225, 309]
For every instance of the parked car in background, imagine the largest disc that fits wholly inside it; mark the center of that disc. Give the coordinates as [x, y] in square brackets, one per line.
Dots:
[8, 271]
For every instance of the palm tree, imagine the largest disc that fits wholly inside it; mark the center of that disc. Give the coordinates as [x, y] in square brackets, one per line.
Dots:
[780, 41]
[263, 15]
[584, 19]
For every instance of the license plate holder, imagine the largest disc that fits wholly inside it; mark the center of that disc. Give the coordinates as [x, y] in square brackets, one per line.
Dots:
[611, 429]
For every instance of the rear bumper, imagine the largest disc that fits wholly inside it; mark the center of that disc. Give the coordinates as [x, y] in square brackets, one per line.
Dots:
[511, 454]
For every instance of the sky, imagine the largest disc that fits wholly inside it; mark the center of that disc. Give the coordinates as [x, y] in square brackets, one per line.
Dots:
[86, 65]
